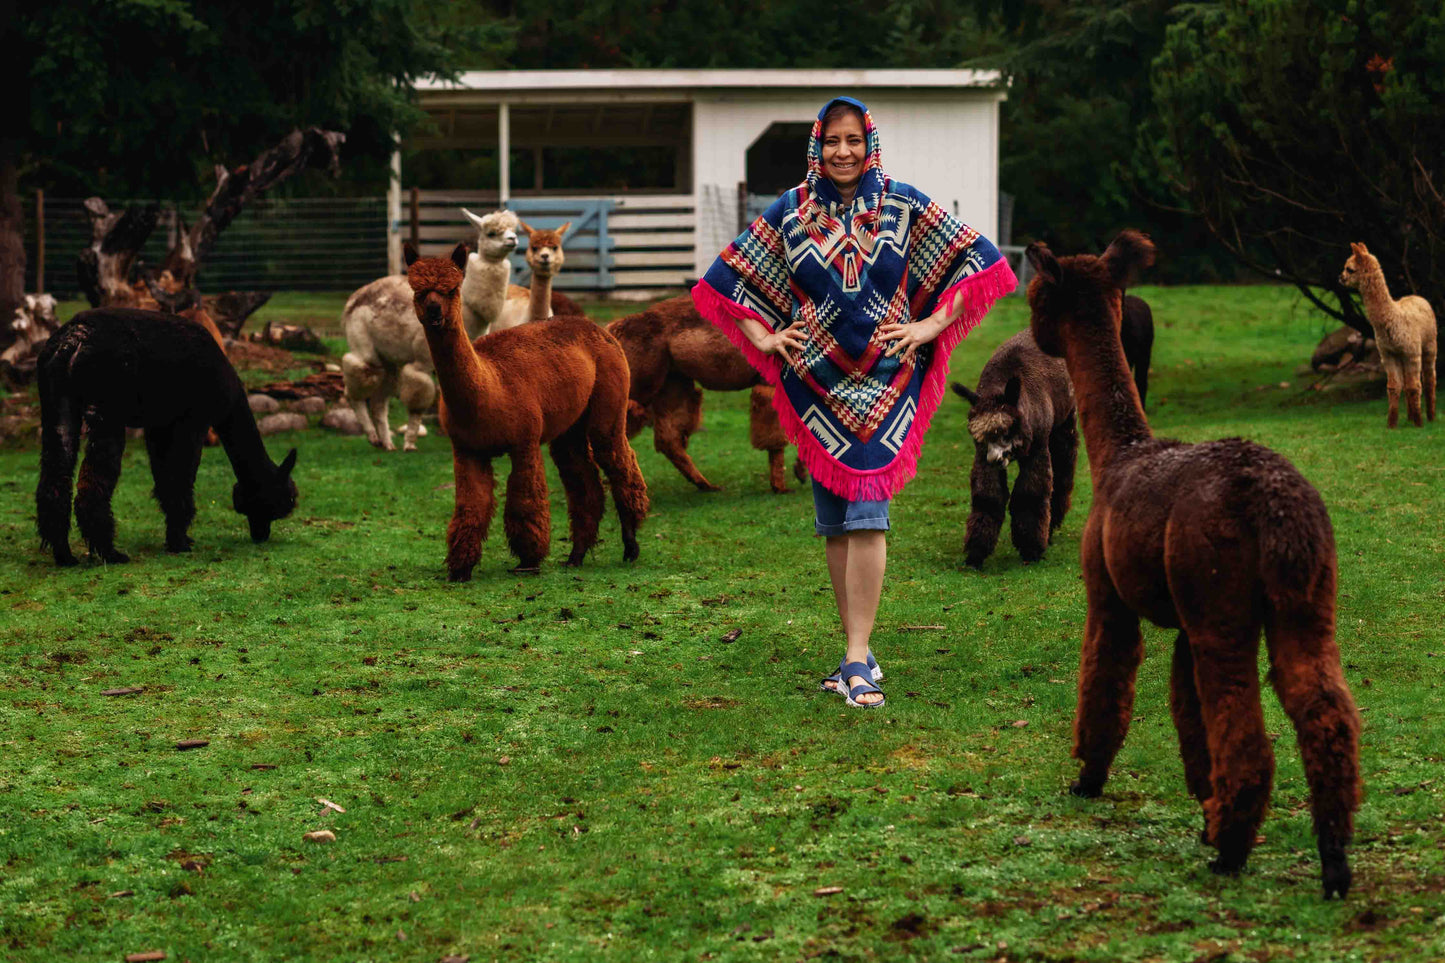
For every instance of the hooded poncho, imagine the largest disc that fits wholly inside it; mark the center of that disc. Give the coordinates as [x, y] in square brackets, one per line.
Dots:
[857, 417]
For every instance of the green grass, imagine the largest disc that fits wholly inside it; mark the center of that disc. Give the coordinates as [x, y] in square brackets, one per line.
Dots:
[576, 767]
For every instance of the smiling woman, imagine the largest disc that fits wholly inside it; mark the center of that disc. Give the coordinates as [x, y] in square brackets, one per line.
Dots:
[848, 294]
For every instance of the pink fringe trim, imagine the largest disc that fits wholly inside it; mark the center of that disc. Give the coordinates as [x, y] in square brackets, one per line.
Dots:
[978, 293]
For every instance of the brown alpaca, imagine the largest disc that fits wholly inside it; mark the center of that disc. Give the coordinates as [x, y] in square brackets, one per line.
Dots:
[1218, 540]
[561, 382]
[670, 350]
[1405, 333]
[545, 257]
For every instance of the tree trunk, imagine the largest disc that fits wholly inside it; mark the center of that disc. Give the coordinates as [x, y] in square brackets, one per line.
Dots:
[12, 241]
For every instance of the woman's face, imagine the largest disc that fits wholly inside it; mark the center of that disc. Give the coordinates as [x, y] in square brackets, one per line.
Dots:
[844, 150]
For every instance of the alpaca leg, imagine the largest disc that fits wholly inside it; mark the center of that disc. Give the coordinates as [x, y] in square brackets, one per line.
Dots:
[59, 447]
[1393, 381]
[1241, 760]
[985, 518]
[1188, 722]
[572, 455]
[527, 517]
[1305, 672]
[98, 476]
[766, 434]
[1427, 377]
[1029, 506]
[379, 404]
[677, 412]
[1064, 453]
[472, 516]
[1113, 649]
[629, 491]
[175, 455]
[417, 392]
[362, 380]
[1412, 390]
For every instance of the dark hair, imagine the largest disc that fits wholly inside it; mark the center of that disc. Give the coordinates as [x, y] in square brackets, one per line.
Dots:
[837, 109]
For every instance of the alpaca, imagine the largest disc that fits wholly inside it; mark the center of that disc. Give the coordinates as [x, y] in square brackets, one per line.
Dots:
[545, 258]
[1405, 333]
[490, 302]
[1217, 539]
[1023, 412]
[388, 356]
[562, 382]
[670, 350]
[1136, 331]
[114, 368]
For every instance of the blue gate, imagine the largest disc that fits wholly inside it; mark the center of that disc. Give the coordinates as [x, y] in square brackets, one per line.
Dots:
[587, 246]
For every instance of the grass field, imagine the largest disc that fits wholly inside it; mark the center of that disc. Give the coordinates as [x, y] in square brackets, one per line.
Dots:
[579, 766]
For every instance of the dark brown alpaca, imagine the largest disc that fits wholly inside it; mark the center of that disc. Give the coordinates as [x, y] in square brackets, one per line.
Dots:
[560, 382]
[1218, 540]
[671, 349]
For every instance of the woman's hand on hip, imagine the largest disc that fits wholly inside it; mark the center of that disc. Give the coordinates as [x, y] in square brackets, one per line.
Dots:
[789, 342]
[908, 338]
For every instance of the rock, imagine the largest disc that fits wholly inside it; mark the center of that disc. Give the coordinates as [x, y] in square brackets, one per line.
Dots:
[263, 404]
[282, 421]
[310, 406]
[342, 420]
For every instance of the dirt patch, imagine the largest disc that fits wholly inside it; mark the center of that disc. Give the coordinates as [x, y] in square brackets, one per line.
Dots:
[713, 702]
[248, 354]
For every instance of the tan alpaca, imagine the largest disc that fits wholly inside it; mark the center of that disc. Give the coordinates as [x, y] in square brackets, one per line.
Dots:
[1405, 333]
[544, 255]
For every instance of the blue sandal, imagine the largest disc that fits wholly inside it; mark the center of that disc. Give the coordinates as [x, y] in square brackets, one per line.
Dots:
[875, 672]
[863, 688]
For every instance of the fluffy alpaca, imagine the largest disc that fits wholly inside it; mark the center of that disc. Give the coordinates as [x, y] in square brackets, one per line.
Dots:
[1136, 331]
[670, 350]
[1023, 412]
[1218, 540]
[560, 382]
[1405, 333]
[115, 368]
[545, 258]
[490, 302]
[388, 356]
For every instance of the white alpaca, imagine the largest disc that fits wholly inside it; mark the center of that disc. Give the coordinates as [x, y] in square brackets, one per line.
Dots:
[388, 356]
[1405, 333]
[490, 302]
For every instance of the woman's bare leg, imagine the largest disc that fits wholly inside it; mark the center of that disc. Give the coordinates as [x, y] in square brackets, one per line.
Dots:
[856, 562]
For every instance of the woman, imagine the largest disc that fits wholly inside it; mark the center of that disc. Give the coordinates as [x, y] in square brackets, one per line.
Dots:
[848, 295]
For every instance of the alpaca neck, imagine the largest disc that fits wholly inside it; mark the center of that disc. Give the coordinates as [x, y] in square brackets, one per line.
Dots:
[1375, 293]
[539, 298]
[242, 441]
[1108, 401]
[468, 383]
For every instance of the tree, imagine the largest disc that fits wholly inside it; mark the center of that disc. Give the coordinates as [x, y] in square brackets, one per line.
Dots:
[1296, 126]
[149, 96]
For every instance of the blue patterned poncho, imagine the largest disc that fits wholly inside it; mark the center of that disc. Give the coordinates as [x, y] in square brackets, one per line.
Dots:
[857, 417]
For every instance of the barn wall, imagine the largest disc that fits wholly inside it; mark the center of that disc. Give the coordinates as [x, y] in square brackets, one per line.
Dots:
[943, 142]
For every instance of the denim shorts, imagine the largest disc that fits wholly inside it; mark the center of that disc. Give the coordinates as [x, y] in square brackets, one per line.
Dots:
[836, 515]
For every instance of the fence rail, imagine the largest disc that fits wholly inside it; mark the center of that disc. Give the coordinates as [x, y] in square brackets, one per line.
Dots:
[307, 243]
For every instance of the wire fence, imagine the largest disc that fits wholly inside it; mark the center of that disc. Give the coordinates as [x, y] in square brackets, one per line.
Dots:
[292, 244]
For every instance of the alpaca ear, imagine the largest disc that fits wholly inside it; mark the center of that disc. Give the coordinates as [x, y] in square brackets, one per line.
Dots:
[1043, 260]
[287, 463]
[963, 392]
[562, 231]
[524, 226]
[1359, 248]
[459, 257]
[1128, 256]
[1012, 390]
[476, 221]
[409, 254]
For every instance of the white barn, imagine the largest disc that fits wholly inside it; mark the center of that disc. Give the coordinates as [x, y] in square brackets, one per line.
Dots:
[702, 148]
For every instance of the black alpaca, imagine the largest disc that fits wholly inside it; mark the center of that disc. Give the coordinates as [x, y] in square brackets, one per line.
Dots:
[115, 368]
[1136, 331]
[1023, 412]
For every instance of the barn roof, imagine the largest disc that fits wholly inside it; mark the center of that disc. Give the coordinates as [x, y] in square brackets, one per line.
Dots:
[679, 82]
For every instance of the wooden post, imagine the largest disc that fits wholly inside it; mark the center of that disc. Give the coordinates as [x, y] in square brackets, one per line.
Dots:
[416, 218]
[504, 153]
[39, 242]
[537, 169]
[742, 206]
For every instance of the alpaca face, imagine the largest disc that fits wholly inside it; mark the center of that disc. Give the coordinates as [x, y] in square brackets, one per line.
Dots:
[436, 284]
[496, 233]
[544, 250]
[995, 426]
[1359, 262]
[265, 503]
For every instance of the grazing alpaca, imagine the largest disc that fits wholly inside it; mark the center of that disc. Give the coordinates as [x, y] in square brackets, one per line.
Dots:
[1217, 539]
[670, 350]
[562, 382]
[115, 368]
[1405, 333]
[388, 357]
[1136, 331]
[1023, 412]
[490, 302]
